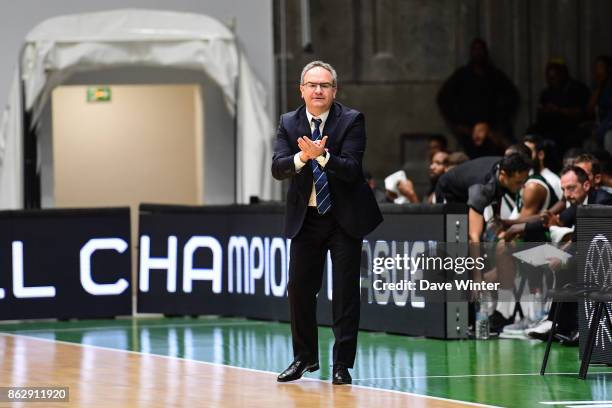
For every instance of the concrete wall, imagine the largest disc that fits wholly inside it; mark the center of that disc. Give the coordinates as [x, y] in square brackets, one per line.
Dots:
[393, 55]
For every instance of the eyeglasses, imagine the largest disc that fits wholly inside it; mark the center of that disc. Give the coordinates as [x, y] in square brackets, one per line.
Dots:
[325, 86]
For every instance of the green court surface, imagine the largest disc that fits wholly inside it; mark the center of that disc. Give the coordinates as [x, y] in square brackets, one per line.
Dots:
[499, 372]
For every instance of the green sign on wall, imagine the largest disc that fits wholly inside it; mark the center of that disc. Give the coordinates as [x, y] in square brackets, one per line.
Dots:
[99, 94]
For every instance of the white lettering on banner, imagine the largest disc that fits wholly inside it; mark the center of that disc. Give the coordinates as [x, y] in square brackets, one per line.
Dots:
[87, 281]
[251, 261]
[147, 263]
[238, 247]
[278, 288]
[288, 252]
[213, 274]
[19, 289]
[256, 251]
[266, 266]
[260, 265]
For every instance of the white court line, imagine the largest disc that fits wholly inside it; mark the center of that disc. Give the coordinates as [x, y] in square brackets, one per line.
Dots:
[473, 404]
[590, 406]
[573, 402]
[473, 375]
[143, 326]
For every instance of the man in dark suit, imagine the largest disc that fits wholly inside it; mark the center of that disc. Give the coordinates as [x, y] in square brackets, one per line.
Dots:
[330, 206]
[577, 190]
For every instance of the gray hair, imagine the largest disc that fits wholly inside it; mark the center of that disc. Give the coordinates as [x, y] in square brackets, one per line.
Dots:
[323, 65]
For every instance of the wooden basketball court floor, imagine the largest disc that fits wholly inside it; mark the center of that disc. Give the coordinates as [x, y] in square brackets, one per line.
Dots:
[228, 362]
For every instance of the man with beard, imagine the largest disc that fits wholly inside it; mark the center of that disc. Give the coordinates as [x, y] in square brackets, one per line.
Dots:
[577, 190]
[437, 167]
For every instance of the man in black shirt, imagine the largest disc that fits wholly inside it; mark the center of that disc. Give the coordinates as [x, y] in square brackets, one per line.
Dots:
[482, 182]
[481, 94]
[562, 107]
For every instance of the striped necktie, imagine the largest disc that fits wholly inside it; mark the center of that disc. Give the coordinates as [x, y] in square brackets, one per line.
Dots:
[319, 176]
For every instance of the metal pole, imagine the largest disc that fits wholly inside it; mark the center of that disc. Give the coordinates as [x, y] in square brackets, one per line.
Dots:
[31, 182]
[305, 23]
[237, 178]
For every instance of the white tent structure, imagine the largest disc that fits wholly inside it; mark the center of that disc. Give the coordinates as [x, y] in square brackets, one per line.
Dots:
[62, 46]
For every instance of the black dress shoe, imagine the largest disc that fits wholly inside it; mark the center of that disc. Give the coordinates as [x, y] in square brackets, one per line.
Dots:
[296, 370]
[341, 375]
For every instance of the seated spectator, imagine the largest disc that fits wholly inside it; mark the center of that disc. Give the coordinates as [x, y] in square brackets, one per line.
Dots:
[484, 142]
[478, 93]
[600, 105]
[435, 144]
[562, 107]
[437, 167]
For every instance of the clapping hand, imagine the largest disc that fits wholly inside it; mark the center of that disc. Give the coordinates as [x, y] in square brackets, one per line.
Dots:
[311, 149]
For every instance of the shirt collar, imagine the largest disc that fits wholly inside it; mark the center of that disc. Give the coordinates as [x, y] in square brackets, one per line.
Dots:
[322, 116]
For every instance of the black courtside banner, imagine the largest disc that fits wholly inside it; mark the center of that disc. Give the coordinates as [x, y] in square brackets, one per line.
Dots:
[594, 267]
[232, 261]
[65, 263]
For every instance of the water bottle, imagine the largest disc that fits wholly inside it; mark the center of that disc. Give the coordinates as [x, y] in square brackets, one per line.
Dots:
[482, 318]
[538, 305]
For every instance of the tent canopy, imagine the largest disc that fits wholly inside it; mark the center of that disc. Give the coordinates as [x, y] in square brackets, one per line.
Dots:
[61, 46]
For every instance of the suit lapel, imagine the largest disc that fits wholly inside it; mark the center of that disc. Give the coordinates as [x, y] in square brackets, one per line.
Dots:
[303, 129]
[302, 126]
[331, 122]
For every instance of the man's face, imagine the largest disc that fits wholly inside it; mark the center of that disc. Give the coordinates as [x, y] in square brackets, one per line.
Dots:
[514, 182]
[480, 133]
[318, 90]
[573, 190]
[438, 165]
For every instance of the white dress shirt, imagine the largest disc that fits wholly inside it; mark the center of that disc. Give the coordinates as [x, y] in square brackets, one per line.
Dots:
[312, 202]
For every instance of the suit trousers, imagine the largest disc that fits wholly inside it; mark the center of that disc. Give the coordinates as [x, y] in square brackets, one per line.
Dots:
[320, 233]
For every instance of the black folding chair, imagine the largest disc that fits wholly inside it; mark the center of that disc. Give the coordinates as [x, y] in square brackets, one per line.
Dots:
[570, 292]
[600, 298]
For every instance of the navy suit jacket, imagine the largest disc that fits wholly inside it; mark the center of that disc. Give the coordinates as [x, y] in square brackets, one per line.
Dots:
[352, 202]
